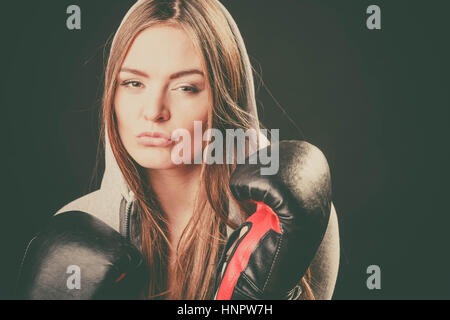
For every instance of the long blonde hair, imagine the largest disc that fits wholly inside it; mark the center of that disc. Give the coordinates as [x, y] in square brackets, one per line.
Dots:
[229, 73]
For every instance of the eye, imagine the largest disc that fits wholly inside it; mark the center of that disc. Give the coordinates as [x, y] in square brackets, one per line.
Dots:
[189, 89]
[133, 83]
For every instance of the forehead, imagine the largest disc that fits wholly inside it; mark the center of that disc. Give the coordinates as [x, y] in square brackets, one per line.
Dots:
[161, 50]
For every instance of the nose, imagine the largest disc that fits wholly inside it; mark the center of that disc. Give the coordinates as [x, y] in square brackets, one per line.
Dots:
[155, 108]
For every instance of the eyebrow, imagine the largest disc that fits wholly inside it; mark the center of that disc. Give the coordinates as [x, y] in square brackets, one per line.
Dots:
[172, 76]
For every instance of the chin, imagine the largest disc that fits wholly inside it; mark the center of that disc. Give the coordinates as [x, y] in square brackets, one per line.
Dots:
[157, 166]
[154, 158]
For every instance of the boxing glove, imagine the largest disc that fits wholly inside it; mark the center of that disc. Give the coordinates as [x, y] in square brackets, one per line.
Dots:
[266, 257]
[77, 256]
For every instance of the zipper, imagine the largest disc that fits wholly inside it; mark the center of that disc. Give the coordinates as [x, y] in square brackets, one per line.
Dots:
[127, 221]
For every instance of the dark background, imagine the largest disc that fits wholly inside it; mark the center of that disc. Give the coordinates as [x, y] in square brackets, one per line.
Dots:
[375, 101]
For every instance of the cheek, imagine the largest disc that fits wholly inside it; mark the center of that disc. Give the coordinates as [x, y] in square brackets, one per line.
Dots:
[121, 121]
[197, 130]
[197, 110]
[124, 114]
[125, 124]
[191, 119]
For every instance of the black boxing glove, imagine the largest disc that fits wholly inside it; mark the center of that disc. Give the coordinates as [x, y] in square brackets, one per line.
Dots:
[266, 257]
[77, 256]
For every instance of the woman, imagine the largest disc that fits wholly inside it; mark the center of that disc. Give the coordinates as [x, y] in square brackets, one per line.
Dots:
[171, 63]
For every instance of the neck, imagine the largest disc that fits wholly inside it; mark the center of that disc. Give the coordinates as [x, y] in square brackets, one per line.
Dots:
[176, 189]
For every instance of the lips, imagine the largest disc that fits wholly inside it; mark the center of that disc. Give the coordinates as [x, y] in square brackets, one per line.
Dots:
[154, 139]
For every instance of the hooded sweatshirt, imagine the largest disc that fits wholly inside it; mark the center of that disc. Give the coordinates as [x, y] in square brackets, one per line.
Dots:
[115, 204]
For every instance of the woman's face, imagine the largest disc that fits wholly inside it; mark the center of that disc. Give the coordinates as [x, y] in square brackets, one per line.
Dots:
[161, 87]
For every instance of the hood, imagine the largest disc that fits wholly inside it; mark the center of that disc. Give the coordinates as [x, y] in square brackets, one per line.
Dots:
[114, 193]
[113, 179]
